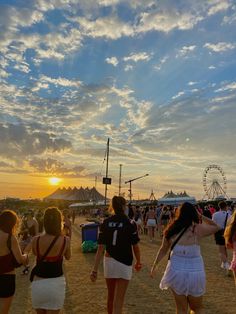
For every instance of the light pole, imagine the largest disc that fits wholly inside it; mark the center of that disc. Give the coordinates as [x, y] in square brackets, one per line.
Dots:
[130, 184]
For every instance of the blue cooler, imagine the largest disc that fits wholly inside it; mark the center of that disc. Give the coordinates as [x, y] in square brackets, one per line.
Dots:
[90, 232]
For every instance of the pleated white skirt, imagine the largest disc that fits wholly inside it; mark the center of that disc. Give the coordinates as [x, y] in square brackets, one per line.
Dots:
[185, 273]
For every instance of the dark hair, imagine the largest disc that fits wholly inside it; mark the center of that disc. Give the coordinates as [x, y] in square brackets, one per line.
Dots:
[52, 221]
[222, 205]
[8, 221]
[117, 204]
[185, 215]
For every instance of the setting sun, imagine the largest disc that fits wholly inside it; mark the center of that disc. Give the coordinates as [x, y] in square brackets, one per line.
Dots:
[54, 181]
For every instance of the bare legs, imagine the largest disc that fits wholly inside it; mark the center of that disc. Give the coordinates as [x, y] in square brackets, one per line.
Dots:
[234, 273]
[116, 294]
[183, 302]
[151, 233]
[223, 253]
[5, 304]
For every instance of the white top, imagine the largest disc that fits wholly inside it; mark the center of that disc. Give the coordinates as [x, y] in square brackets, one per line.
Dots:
[219, 218]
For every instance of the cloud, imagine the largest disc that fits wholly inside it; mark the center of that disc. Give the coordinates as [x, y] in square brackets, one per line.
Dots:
[191, 83]
[108, 27]
[167, 127]
[113, 60]
[167, 21]
[178, 95]
[184, 51]
[160, 64]
[136, 57]
[19, 141]
[220, 47]
[54, 167]
[218, 6]
[128, 67]
[230, 87]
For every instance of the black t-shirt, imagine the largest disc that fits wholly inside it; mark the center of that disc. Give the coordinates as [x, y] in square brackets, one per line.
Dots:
[118, 234]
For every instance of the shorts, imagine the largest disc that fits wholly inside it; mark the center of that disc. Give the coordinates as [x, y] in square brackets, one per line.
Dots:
[151, 223]
[219, 237]
[115, 269]
[7, 285]
[49, 293]
[139, 222]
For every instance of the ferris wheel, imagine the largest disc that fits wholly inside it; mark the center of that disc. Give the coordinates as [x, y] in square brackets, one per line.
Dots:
[214, 182]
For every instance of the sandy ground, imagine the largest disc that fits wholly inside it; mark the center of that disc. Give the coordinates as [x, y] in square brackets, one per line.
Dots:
[143, 296]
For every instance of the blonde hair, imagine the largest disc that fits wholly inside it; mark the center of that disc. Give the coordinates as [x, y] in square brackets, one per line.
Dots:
[230, 231]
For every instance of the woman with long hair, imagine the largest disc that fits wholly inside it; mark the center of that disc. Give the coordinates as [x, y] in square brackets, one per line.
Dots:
[50, 248]
[230, 240]
[185, 273]
[10, 257]
[119, 237]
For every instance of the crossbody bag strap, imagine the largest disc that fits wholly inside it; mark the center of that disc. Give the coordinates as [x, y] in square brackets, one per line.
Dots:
[48, 249]
[176, 240]
[226, 218]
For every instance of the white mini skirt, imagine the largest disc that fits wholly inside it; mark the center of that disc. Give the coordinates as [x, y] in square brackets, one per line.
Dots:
[49, 293]
[115, 269]
[151, 222]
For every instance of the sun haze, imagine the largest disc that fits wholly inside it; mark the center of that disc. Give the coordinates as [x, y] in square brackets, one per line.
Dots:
[54, 181]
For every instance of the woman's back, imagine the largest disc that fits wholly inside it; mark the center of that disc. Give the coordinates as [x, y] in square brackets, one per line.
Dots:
[44, 241]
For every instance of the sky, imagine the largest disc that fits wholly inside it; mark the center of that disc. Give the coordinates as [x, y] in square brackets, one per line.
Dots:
[158, 78]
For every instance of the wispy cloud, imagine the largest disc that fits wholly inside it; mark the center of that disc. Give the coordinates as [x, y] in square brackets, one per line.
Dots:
[186, 50]
[220, 47]
[136, 57]
[113, 60]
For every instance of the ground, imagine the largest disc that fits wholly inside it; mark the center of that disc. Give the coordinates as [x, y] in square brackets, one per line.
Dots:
[143, 296]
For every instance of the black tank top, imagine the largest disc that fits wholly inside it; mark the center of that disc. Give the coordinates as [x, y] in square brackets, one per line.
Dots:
[50, 267]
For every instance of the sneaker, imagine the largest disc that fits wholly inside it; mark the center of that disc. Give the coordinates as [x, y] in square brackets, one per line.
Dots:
[227, 265]
[25, 271]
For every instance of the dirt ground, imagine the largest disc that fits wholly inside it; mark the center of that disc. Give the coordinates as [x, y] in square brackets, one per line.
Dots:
[143, 296]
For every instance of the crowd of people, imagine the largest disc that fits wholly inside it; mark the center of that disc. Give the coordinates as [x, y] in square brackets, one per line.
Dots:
[47, 236]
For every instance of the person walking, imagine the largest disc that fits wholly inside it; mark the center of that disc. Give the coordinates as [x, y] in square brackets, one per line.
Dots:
[48, 281]
[230, 240]
[118, 235]
[221, 218]
[151, 223]
[10, 258]
[29, 229]
[185, 273]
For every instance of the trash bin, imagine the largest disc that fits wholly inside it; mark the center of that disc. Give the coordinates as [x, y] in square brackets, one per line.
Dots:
[90, 232]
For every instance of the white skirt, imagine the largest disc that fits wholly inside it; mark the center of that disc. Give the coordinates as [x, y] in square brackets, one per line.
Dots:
[185, 272]
[49, 293]
[115, 269]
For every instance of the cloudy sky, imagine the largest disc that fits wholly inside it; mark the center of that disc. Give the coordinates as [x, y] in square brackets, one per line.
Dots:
[156, 77]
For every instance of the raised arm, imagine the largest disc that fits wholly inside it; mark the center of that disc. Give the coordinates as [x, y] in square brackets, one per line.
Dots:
[165, 246]
[67, 253]
[207, 227]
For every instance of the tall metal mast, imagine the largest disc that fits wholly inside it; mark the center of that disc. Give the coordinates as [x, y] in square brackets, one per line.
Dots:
[107, 158]
[120, 180]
